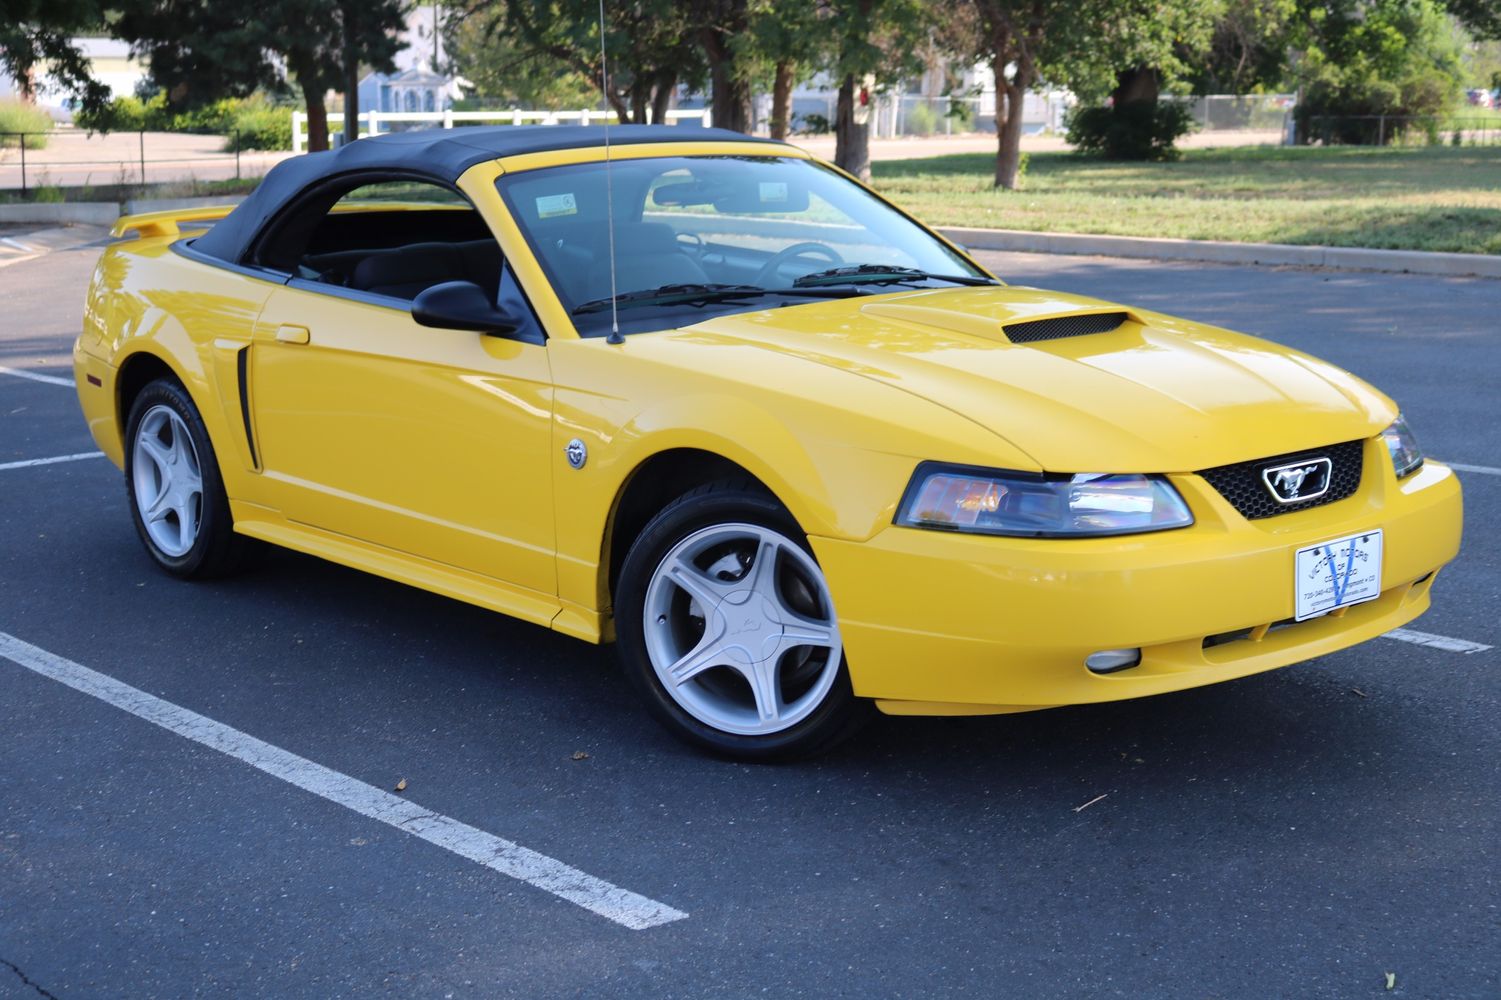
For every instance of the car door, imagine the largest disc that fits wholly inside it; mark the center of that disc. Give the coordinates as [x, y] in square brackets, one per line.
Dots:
[429, 442]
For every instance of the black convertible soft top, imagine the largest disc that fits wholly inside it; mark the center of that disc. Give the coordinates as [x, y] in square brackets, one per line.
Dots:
[441, 154]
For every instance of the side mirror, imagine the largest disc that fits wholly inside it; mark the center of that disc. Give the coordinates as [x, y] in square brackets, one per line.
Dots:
[461, 305]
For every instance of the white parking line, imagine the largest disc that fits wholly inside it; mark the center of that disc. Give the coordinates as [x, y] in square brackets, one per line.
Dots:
[1484, 470]
[27, 463]
[596, 895]
[1436, 641]
[36, 377]
[17, 244]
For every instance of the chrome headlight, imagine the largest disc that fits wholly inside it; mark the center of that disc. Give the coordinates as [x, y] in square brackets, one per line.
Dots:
[1407, 457]
[1037, 505]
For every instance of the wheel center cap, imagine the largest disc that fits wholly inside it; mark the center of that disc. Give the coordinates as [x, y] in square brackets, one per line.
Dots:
[750, 622]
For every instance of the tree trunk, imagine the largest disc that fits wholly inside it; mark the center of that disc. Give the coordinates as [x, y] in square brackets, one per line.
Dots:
[731, 98]
[317, 118]
[851, 141]
[661, 102]
[1008, 132]
[351, 79]
[1139, 83]
[781, 98]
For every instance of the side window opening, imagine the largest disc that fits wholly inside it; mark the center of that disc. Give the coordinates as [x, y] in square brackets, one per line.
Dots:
[398, 238]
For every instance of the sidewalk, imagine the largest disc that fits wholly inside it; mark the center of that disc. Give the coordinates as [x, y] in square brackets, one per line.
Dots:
[74, 158]
[917, 147]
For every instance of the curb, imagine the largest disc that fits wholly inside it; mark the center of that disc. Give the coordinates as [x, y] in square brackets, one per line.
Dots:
[103, 213]
[1222, 252]
[85, 213]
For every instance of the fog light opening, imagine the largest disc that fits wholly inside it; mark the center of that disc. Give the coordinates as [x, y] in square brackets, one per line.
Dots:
[1108, 661]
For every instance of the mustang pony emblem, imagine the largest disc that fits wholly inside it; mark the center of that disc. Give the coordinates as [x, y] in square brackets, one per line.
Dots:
[1299, 481]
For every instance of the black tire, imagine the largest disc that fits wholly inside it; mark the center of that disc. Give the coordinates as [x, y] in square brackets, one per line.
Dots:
[217, 550]
[835, 718]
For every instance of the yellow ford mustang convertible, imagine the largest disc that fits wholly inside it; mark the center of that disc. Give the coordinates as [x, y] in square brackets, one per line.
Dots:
[712, 400]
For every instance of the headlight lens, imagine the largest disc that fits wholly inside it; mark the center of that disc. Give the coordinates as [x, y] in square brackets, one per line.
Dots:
[1407, 457]
[990, 502]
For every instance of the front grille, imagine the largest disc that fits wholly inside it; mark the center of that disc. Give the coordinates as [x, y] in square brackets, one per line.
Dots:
[1058, 327]
[1242, 485]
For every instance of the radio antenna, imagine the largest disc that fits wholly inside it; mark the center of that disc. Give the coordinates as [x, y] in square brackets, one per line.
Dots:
[604, 93]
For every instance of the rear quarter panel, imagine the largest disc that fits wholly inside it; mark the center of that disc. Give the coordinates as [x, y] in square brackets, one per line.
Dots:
[148, 300]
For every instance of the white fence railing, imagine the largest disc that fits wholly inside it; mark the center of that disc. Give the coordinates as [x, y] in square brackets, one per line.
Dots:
[371, 121]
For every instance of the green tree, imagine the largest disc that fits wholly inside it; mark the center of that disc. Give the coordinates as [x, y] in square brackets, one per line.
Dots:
[1247, 49]
[482, 50]
[783, 41]
[721, 25]
[875, 42]
[653, 46]
[202, 50]
[1093, 46]
[1481, 17]
[35, 33]
[1363, 61]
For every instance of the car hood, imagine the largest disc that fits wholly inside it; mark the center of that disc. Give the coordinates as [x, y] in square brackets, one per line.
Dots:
[1156, 394]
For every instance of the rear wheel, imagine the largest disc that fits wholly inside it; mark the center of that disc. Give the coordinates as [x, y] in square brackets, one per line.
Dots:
[727, 629]
[177, 499]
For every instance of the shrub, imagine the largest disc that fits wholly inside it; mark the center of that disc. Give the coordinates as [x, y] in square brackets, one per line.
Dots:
[49, 194]
[962, 113]
[259, 124]
[17, 116]
[246, 123]
[922, 120]
[812, 124]
[1139, 130]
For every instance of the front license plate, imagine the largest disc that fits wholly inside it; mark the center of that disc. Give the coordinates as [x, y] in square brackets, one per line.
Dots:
[1337, 574]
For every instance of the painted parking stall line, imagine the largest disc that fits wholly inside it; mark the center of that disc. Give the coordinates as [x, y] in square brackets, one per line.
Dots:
[54, 460]
[610, 901]
[37, 376]
[1484, 470]
[1443, 642]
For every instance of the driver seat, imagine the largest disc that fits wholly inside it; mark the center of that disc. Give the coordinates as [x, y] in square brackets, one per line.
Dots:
[647, 255]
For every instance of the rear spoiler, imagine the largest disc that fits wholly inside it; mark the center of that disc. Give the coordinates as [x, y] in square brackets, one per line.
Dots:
[149, 224]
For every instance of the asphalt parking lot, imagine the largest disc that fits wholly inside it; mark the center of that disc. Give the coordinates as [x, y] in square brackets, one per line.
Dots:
[1298, 834]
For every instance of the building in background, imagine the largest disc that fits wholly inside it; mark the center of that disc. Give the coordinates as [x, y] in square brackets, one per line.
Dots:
[110, 62]
[417, 84]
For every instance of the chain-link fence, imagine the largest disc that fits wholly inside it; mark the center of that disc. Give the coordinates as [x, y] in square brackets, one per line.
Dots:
[1230, 113]
[1406, 130]
[74, 158]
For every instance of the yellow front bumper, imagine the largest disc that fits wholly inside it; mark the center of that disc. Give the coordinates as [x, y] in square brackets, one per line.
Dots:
[937, 623]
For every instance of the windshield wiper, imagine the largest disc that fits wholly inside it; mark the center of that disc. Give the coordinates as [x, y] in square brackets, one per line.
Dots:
[877, 274]
[696, 293]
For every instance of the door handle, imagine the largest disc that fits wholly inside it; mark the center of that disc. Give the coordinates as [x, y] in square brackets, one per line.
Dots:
[289, 334]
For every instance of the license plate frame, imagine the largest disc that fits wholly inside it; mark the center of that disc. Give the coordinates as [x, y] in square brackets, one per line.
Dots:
[1338, 573]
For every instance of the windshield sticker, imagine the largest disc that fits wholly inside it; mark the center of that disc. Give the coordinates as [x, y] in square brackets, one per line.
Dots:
[773, 191]
[553, 205]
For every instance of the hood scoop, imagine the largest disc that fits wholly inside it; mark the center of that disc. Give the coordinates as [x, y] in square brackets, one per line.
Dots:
[1001, 315]
[1060, 327]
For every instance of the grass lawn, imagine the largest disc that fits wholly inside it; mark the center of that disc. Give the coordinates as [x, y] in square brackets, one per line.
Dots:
[1414, 198]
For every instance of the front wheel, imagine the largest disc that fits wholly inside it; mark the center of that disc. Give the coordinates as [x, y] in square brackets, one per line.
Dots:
[727, 629]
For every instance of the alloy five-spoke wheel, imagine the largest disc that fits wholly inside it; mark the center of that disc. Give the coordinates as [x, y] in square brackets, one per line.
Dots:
[168, 481]
[740, 629]
[176, 495]
[727, 628]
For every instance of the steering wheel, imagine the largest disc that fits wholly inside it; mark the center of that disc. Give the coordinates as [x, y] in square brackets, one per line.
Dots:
[769, 269]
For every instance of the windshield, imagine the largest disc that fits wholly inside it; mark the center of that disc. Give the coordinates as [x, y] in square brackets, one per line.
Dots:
[697, 236]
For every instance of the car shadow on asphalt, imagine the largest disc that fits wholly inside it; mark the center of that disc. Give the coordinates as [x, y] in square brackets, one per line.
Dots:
[1307, 719]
